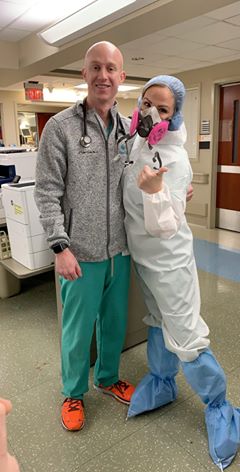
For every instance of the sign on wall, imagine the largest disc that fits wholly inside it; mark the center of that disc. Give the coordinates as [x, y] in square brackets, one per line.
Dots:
[33, 91]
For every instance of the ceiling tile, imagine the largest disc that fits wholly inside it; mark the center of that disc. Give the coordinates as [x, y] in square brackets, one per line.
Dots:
[214, 33]
[187, 26]
[208, 53]
[144, 41]
[44, 12]
[173, 46]
[233, 57]
[234, 20]
[34, 20]
[13, 35]
[234, 44]
[78, 65]
[175, 61]
[225, 12]
[9, 12]
[26, 3]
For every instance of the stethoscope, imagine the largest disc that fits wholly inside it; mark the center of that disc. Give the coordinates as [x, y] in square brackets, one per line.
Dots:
[86, 140]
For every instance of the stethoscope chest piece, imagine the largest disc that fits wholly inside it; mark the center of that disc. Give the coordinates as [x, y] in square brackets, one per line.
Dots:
[85, 141]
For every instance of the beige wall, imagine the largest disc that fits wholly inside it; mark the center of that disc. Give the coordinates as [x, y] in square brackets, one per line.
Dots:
[201, 210]
[8, 101]
[11, 102]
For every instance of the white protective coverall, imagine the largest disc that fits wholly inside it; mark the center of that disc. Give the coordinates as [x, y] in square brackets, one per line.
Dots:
[161, 245]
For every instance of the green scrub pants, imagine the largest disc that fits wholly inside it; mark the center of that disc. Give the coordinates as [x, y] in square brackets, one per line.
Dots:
[100, 296]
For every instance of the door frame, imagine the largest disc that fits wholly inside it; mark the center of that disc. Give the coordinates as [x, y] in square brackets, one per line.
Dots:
[216, 105]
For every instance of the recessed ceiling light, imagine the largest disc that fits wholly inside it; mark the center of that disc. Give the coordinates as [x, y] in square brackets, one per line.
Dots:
[121, 88]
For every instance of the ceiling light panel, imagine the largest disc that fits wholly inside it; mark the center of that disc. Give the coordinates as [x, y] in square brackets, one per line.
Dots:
[90, 17]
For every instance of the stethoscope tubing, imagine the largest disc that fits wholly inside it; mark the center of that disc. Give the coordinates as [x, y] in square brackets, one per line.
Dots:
[86, 140]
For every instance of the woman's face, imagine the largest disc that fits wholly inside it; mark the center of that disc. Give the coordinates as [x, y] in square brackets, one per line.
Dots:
[162, 98]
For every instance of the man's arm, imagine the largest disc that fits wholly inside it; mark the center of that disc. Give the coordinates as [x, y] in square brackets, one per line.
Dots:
[49, 189]
[51, 171]
[189, 193]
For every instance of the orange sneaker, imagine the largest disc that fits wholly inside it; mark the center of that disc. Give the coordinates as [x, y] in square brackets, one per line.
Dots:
[72, 414]
[121, 390]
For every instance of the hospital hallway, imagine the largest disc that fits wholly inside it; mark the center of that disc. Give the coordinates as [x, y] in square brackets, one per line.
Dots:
[172, 438]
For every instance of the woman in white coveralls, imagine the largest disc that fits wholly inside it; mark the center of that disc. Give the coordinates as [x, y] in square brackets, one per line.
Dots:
[161, 245]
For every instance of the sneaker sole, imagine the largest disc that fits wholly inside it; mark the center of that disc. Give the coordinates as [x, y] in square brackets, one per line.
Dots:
[72, 430]
[106, 392]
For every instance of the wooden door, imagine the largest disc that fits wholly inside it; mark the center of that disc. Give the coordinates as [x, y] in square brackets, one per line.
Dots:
[228, 175]
[42, 119]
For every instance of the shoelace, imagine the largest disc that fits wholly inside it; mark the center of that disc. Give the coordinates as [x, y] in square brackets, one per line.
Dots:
[121, 386]
[74, 405]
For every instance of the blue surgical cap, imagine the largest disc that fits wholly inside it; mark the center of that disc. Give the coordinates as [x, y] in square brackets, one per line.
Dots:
[178, 90]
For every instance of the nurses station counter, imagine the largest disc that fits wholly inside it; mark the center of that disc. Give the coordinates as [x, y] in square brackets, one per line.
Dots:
[24, 161]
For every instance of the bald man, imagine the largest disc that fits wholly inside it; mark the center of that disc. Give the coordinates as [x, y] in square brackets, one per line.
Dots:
[79, 196]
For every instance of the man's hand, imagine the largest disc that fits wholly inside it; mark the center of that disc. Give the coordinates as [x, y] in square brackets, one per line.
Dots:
[151, 181]
[189, 193]
[67, 265]
[7, 462]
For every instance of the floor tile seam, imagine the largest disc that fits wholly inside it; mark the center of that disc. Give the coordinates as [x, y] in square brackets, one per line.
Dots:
[118, 442]
[195, 458]
[219, 245]
[233, 369]
[227, 279]
[16, 396]
[180, 445]
[103, 451]
[173, 405]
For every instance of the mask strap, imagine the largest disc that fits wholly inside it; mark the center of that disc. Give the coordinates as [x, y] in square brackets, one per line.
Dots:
[134, 121]
[126, 137]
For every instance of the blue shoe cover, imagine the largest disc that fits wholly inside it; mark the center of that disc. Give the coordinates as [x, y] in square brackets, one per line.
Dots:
[207, 379]
[223, 427]
[158, 387]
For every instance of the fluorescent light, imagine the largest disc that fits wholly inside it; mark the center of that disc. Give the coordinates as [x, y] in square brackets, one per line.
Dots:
[121, 88]
[91, 15]
[84, 20]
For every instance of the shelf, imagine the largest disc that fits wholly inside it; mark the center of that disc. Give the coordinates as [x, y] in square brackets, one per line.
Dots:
[22, 272]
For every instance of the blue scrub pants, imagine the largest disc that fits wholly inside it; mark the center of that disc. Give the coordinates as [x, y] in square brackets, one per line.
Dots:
[100, 296]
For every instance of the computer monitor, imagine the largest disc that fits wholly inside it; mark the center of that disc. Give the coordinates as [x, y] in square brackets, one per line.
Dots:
[26, 132]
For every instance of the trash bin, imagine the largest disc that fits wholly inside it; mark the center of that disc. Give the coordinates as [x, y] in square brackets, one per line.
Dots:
[9, 284]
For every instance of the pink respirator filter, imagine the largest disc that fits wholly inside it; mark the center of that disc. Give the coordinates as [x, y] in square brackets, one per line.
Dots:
[157, 132]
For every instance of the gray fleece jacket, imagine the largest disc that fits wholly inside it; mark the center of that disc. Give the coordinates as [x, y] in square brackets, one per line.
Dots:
[78, 190]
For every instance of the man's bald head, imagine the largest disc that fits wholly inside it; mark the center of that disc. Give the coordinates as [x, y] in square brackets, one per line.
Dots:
[103, 72]
[104, 46]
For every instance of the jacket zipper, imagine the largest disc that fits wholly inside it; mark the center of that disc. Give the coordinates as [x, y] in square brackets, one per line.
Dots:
[108, 185]
[70, 224]
[108, 196]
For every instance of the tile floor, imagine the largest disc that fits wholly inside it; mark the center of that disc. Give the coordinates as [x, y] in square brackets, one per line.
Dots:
[170, 439]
